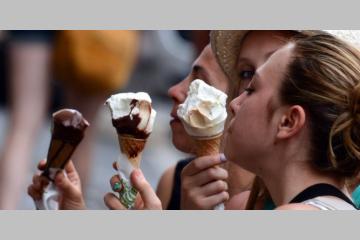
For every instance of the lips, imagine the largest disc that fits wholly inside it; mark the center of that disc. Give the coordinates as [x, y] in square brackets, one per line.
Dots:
[173, 113]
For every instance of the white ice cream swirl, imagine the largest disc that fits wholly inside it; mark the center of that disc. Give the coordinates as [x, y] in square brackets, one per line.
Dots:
[204, 111]
[122, 105]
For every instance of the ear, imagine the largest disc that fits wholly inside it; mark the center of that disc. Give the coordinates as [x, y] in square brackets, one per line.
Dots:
[292, 121]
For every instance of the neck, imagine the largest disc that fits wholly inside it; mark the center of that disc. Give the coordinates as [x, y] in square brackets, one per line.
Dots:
[239, 179]
[292, 176]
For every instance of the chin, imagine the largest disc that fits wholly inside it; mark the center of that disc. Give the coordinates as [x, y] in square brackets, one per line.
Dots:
[180, 139]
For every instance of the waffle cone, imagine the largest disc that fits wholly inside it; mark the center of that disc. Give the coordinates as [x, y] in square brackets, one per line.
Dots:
[207, 145]
[132, 148]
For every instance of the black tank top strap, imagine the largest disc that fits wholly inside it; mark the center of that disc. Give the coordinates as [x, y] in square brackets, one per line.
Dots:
[174, 203]
[318, 190]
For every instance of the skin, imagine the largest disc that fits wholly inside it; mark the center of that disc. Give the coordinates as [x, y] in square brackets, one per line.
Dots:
[205, 68]
[69, 187]
[255, 50]
[282, 158]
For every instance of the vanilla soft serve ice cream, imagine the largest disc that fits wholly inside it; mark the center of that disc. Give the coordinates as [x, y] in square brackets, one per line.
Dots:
[204, 111]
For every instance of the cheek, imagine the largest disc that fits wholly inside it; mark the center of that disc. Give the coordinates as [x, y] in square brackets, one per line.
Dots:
[232, 136]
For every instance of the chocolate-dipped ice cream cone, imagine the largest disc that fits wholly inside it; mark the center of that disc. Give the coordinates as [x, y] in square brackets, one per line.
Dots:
[68, 129]
[133, 119]
[67, 132]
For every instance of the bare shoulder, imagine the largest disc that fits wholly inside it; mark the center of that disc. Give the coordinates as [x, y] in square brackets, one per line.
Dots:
[296, 206]
[165, 186]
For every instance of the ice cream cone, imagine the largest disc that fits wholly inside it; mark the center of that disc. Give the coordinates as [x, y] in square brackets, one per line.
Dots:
[133, 118]
[132, 148]
[207, 145]
[67, 132]
[59, 153]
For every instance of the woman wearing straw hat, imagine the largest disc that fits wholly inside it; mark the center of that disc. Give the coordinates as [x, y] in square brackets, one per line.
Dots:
[305, 99]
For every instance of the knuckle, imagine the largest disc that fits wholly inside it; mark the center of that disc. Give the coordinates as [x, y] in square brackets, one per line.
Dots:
[219, 184]
[197, 164]
[225, 173]
[212, 172]
[226, 186]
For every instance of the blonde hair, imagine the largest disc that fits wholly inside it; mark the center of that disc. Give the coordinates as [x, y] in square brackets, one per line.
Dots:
[324, 78]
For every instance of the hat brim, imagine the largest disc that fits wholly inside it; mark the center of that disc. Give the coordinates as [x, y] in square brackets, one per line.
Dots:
[226, 46]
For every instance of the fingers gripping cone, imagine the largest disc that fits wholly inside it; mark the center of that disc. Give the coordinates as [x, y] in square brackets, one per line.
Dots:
[208, 146]
[203, 115]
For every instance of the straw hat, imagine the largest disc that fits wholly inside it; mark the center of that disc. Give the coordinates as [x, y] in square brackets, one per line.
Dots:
[226, 45]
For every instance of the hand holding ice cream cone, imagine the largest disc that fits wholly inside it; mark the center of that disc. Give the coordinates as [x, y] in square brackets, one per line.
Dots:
[203, 115]
[133, 119]
[68, 130]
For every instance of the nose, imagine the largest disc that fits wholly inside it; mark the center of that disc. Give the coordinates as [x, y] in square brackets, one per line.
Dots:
[178, 92]
[236, 103]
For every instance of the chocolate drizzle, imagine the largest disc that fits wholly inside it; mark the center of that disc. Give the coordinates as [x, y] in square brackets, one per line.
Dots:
[128, 125]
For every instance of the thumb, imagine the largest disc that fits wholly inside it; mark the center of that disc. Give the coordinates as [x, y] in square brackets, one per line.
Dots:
[66, 188]
[151, 201]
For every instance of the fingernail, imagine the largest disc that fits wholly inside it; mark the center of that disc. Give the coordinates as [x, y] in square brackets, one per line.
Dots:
[117, 186]
[222, 157]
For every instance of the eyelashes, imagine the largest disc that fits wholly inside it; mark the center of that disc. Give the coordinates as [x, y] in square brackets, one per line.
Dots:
[249, 90]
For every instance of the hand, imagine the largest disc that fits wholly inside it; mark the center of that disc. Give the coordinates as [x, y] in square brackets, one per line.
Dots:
[146, 199]
[203, 184]
[69, 187]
